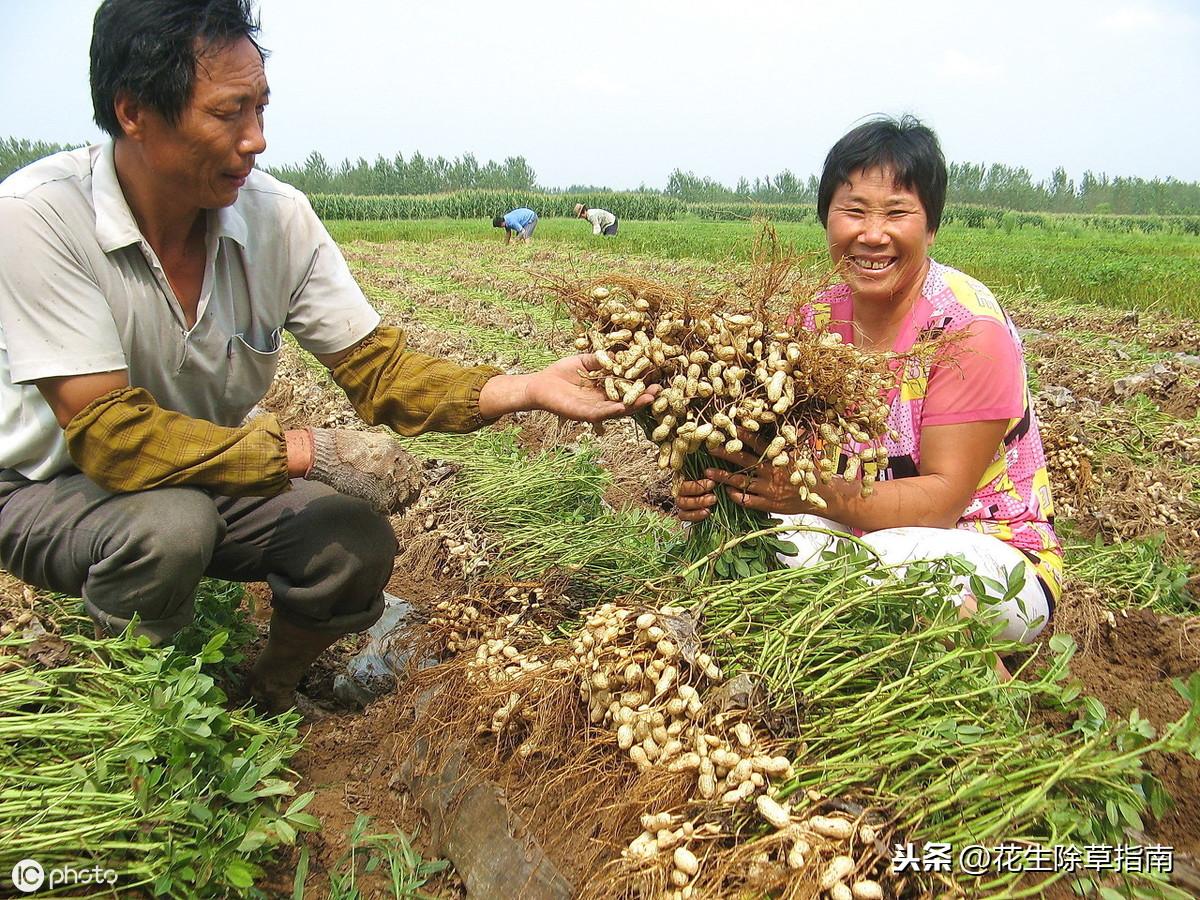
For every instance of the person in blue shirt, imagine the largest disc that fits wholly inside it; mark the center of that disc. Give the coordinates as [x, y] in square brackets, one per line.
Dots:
[521, 222]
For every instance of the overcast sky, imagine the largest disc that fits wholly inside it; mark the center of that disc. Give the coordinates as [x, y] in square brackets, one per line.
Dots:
[621, 92]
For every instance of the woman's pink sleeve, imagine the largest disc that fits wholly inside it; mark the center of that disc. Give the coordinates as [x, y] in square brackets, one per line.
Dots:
[982, 380]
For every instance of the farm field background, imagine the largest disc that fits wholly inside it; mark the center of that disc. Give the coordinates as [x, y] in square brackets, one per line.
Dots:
[1112, 337]
[1155, 272]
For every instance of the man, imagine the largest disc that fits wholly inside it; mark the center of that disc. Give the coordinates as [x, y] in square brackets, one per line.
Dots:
[144, 285]
[603, 222]
[520, 222]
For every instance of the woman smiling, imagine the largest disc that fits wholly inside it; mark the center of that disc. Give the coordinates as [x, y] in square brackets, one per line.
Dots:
[967, 473]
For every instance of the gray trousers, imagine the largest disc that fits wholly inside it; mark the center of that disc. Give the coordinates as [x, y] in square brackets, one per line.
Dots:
[326, 557]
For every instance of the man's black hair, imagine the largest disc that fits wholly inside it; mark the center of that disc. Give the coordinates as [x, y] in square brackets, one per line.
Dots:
[150, 48]
[498, 222]
[906, 147]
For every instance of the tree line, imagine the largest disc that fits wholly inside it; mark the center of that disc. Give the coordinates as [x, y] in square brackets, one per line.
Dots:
[979, 184]
[415, 175]
[994, 185]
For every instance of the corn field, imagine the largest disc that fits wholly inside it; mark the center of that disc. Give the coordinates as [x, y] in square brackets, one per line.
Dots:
[650, 206]
[486, 204]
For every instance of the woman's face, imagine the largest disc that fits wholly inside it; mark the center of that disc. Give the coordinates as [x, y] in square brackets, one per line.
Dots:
[878, 234]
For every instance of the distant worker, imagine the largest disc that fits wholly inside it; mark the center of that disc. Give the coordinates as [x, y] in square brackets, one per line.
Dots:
[521, 222]
[603, 222]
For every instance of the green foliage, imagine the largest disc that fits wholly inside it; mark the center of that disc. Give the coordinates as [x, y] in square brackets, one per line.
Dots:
[388, 856]
[1014, 188]
[786, 187]
[16, 153]
[1132, 574]
[545, 511]
[717, 544]
[994, 186]
[897, 699]
[416, 175]
[126, 757]
[218, 608]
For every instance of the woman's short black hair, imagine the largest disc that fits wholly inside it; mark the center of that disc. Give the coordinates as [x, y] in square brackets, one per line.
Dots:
[498, 222]
[150, 47]
[907, 147]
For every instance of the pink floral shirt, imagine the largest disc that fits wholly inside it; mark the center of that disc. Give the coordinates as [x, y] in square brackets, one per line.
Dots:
[983, 379]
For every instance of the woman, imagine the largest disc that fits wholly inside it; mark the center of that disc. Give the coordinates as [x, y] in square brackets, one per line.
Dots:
[967, 472]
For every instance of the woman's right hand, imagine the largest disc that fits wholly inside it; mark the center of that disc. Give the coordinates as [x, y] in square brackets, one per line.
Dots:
[694, 500]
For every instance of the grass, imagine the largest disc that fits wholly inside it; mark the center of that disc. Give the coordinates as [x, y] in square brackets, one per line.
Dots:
[483, 340]
[390, 857]
[1075, 265]
[1131, 574]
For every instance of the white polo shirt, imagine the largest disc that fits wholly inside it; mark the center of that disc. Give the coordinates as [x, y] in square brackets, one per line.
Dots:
[81, 291]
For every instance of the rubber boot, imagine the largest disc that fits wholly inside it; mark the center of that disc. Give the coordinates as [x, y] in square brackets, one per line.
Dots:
[289, 652]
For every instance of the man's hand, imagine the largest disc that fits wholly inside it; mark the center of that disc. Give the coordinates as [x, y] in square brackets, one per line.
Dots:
[559, 388]
[367, 465]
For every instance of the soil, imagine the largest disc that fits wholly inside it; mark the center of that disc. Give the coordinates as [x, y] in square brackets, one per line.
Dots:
[1130, 665]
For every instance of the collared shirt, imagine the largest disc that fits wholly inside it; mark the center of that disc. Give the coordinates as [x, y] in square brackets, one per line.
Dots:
[600, 219]
[82, 291]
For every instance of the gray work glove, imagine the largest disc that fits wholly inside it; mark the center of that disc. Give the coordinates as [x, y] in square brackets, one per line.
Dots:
[368, 465]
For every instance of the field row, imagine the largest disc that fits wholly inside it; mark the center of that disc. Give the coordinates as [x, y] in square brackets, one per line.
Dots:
[646, 205]
[1156, 273]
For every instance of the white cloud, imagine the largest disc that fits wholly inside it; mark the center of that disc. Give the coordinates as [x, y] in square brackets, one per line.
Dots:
[1133, 18]
[961, 66]
[596, 83]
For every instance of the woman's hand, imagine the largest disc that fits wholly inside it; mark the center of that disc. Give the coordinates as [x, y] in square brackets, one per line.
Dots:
[757, 485]
[695, 497]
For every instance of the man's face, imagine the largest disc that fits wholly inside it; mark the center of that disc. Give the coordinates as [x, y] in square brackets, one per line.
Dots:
[206, 156]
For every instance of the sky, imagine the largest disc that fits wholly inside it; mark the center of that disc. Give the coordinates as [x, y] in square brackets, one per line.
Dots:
[620, 93]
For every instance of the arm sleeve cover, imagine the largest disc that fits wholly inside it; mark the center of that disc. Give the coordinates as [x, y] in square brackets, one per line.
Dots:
[124, 441]
[408, 391]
